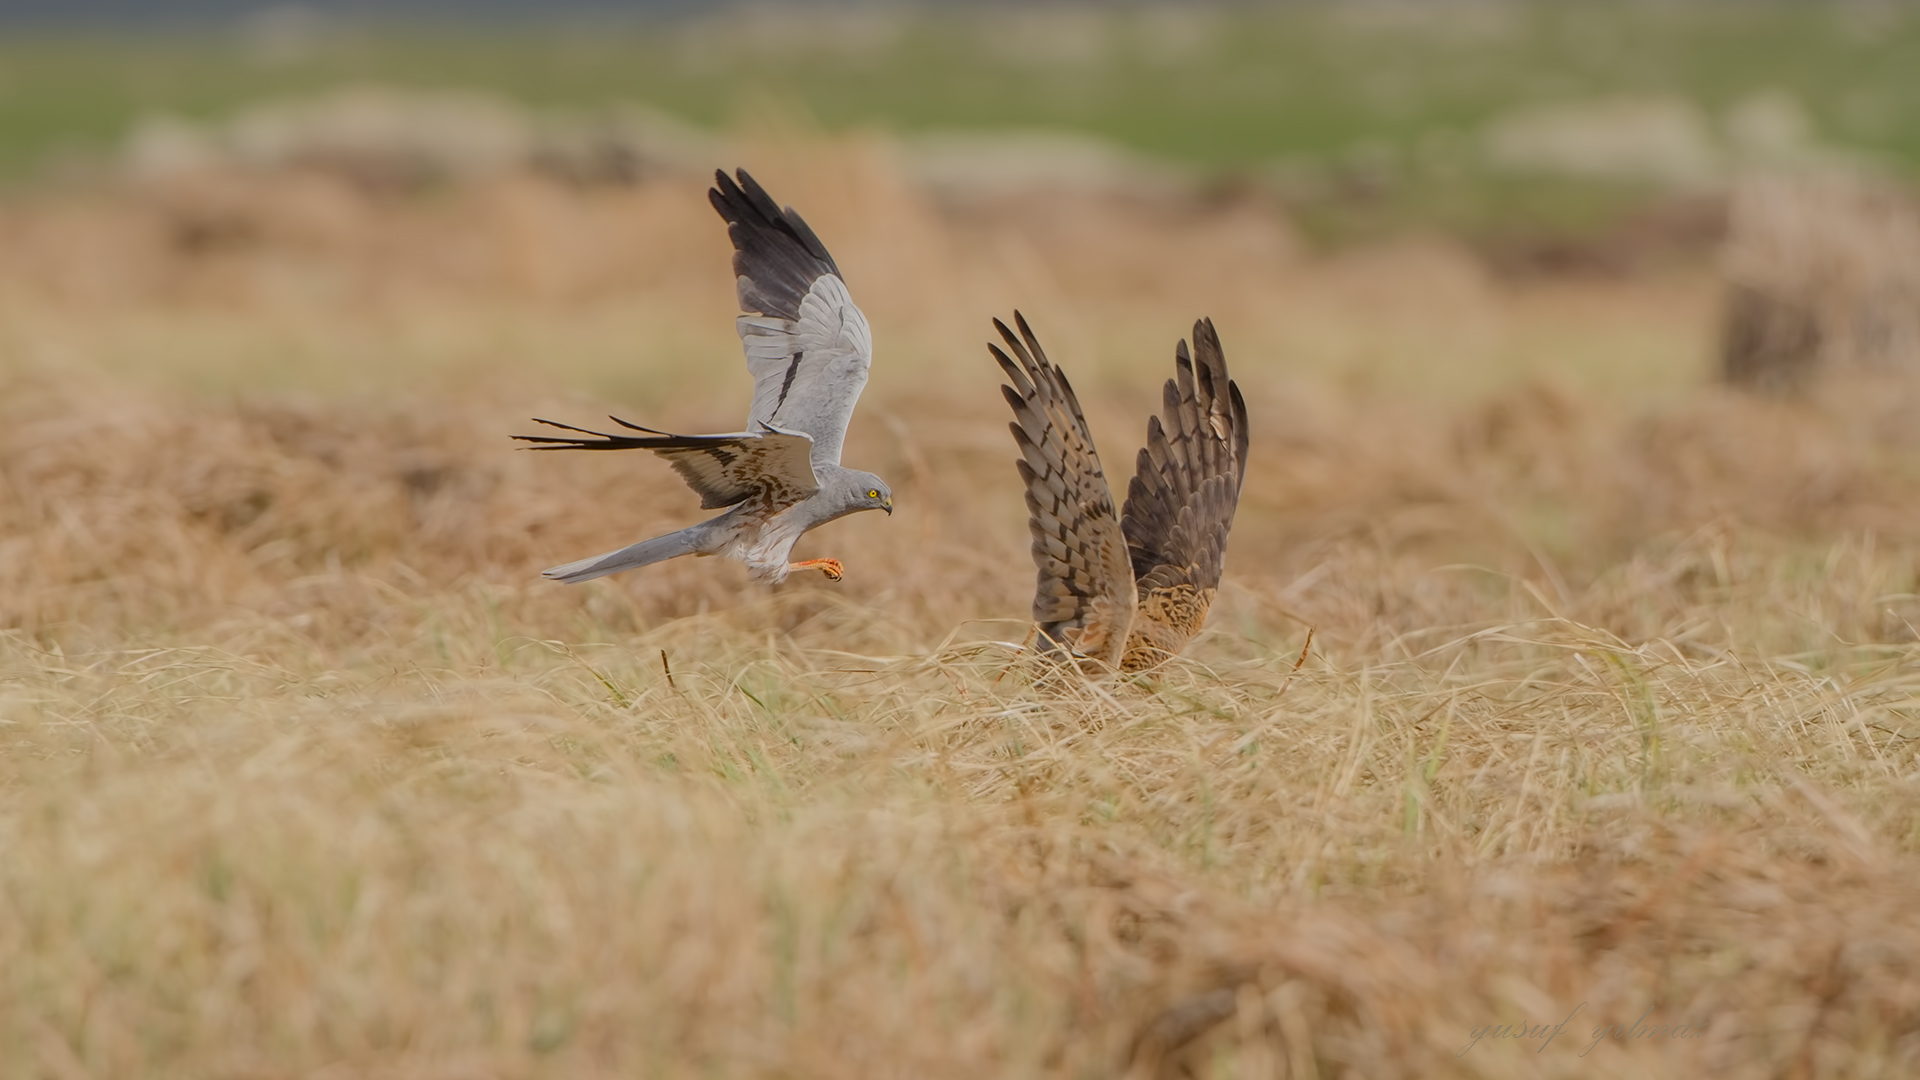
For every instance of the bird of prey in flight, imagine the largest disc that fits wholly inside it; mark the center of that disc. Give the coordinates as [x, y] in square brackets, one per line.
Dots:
[1129, 589]
[808, 349]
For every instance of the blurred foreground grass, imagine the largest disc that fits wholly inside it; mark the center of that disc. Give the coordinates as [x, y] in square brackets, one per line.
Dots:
[1611, 703]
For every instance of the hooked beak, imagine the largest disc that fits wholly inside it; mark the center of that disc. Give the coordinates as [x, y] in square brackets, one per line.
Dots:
[888, 506]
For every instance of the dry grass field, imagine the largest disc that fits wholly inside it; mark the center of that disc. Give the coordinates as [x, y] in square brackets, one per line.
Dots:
[1609, 714]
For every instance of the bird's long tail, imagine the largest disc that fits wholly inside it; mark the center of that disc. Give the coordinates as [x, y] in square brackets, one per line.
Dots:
[645, 553]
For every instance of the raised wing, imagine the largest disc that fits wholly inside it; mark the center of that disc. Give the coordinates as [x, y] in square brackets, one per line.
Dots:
[723, 469]
[1083, 598]
[1181, 500]
[807, 345]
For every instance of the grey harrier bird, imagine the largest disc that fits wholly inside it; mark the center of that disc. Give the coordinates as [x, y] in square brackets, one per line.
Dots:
[808, 349]
[1127, 590]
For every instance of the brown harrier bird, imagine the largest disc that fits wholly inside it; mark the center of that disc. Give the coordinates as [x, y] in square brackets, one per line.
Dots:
[1130, 589]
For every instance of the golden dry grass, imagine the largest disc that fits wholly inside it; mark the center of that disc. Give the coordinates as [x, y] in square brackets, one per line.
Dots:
[1611, 703]
[1823, 275]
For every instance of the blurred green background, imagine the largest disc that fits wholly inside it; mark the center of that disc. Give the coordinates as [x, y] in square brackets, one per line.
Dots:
[1371, 115]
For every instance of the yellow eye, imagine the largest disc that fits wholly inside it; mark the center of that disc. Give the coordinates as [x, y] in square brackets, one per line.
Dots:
[873, 494]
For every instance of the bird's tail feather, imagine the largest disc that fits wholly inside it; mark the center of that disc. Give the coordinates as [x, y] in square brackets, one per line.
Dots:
[645, 553]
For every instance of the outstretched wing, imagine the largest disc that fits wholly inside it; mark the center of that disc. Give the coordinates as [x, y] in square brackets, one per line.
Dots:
[807, 345]
[1084, 596]
[723, 469]
[1181, 500]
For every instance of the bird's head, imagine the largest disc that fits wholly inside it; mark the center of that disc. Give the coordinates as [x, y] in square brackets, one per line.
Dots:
[869, 492]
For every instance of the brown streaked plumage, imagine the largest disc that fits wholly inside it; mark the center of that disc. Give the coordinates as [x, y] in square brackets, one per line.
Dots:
[1130, 589]
[1084, 596]
[1180, 502]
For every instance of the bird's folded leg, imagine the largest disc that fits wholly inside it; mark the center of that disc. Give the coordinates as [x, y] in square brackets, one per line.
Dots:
[829, 567]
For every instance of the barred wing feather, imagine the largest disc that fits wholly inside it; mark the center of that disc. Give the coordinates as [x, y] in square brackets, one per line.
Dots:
[1083, 597]
[1181, 500]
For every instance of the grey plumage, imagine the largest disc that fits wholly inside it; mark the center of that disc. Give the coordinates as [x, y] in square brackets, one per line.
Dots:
[807, 345]
[808, 349]
[687, 541]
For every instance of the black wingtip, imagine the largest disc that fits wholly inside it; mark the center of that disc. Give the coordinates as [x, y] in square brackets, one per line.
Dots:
[723, 194]
[777, 257]
[634, 427]
[565, 427]
[740, 182]
[600, 440]
[735, 200]
[731, 195]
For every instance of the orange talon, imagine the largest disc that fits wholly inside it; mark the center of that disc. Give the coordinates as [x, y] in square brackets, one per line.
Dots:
[829, 567]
